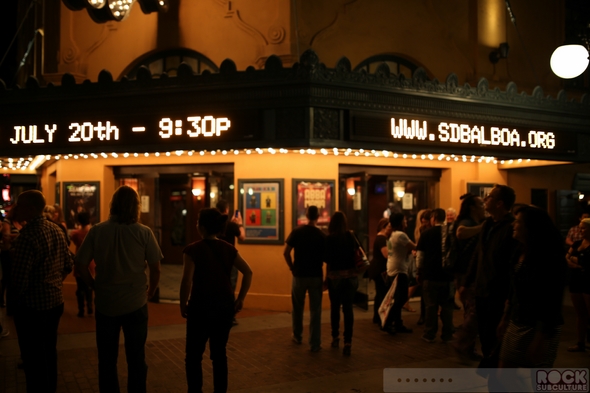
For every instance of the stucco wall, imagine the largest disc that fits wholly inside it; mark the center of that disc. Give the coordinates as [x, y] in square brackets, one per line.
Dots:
[272, 280]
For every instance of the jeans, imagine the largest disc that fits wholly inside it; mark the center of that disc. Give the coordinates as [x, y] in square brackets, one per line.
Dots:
[83, 295]
[489, 311]
[438, 294]
[37, 339]
[312, 285]
[341, 292]
[400, 297]
[135, 327]
[202, 326]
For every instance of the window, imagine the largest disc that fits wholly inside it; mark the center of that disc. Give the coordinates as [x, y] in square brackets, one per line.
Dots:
[397, 65]
[168, 62]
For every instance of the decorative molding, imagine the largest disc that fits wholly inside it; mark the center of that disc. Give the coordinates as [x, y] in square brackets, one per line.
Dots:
[340, 11]
[290, 123]
[276, 34]
[239, 22]
[326, 123]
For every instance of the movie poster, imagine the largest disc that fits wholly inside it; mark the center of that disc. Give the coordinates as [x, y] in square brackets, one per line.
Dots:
[261, 208]
[81, 197]
[313, 192]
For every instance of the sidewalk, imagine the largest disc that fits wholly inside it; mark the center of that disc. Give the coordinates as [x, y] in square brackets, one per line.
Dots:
[262, 357]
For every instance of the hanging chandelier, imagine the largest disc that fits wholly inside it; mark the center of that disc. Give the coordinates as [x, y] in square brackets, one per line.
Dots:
[102, 11]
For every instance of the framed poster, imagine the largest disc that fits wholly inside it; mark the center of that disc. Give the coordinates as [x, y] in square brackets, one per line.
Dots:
[308, 192]
[262, 208]
[81, 197]
[480, 189]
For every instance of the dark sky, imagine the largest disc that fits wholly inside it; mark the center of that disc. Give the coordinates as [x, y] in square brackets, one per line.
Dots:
[8, 21]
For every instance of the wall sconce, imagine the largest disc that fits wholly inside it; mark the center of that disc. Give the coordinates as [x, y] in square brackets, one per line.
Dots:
[569, 61]
[399, 189]
[500, 53]
[351, 191]
[198, 187]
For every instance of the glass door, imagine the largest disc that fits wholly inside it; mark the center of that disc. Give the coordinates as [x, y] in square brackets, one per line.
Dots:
[355, 204]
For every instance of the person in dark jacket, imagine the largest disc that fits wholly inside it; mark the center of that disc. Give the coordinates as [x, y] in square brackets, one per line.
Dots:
[531, 325]
[307, 241]
[490, 271]
[437, 284]
[342, 278]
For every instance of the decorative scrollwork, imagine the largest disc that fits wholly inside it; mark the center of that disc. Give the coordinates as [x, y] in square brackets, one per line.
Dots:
[276, 34]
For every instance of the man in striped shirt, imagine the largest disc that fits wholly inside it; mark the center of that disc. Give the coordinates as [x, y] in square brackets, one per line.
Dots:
[42, 260]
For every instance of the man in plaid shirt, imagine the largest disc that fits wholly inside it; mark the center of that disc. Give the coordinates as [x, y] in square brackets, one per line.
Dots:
[42, 260]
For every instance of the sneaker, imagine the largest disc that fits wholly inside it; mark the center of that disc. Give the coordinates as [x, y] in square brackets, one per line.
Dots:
[390, 330]
[316, 348]
[335, 342]
[428, 340]
[296, 340]
[346, 350]
[403, 329]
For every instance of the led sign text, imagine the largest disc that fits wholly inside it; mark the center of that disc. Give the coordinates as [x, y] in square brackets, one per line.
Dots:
[207, 126]
[476, 135]
[80, 132]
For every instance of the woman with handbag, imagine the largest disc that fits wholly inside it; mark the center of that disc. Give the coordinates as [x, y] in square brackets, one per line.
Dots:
[532, 321]
[211, 307]
[342, 278]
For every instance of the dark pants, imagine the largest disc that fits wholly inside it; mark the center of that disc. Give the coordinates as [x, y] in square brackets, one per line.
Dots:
[489, 312]
[201, 327]
[438, 294]
[380, 291]
[84, 295]
[341, 292]
[400, 297]
[135, 327]
[6, 261]
[37, 339]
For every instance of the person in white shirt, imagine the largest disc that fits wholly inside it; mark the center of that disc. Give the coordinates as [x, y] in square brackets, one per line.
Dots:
[399, 246]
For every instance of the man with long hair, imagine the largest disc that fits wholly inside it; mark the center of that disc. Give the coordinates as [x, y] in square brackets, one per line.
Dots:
[122, 249]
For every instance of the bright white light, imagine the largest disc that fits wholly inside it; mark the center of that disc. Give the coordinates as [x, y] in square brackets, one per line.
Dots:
[581, 196]
[401, 194]
[196, 192]
[351, 191]
[569, 61]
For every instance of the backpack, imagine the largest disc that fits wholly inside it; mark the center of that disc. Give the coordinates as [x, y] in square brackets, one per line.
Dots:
[450, 247]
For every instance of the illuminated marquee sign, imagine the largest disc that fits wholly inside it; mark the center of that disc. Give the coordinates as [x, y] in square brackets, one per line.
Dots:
[477, 138]
[207, 126]
[134, 132]
[467, 134]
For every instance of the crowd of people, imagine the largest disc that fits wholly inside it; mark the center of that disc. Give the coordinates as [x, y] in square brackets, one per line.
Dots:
[116, 264]
[506, 263]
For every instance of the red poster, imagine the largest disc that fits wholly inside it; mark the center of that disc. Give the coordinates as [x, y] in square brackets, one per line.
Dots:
[318, 194]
